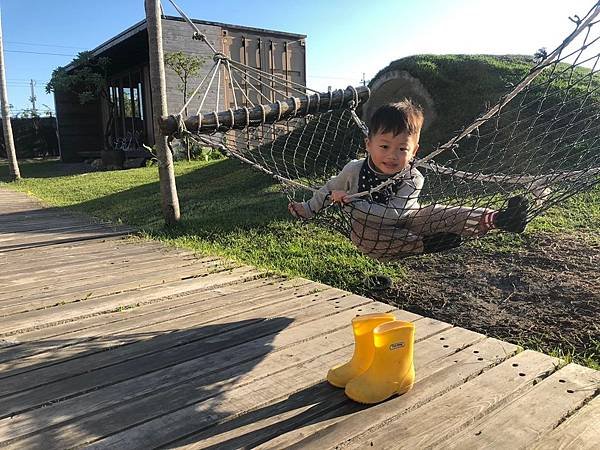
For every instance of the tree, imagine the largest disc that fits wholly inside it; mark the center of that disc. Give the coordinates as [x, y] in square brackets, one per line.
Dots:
[9, 143]
[89, 82]
[166, 173]
[186, 67]
[28, 113]
[48, 111]
[540, 55]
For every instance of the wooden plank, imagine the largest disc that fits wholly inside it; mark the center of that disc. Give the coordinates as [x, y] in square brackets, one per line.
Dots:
[269, 353]
[126, 300]
[43, 281]
[39, 341]
[70, 311]
[47, 265]
[448, 414]
[33, 286]
[33, 220]
[581, 431]
[25, 205]
[27, 237]
[110, 284]
[24, 239]
[112, 334]
[150, 305]
[84, 248]
[112, 257]
[161, 336]
[72, 250]
[439, 370]
[526, 419]
[14, 267]
[92, 247]
[20, 206]
[49, 279]
[80, 238]
[50, 219]
[50, 225]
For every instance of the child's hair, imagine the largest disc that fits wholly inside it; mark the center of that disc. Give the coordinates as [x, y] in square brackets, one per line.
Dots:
[397, 118]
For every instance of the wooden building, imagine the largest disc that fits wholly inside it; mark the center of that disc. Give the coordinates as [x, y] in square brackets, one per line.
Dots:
[81, 127]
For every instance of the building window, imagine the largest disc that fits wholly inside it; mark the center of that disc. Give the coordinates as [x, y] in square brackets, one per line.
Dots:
[126, 93]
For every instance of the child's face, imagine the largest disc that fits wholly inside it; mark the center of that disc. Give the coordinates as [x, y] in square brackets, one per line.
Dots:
[392, 153]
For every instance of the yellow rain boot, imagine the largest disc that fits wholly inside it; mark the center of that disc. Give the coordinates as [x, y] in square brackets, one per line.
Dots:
[392, 370]
[362, 326]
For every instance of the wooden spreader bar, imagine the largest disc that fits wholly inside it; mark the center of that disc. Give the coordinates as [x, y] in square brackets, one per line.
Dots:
[236, 119]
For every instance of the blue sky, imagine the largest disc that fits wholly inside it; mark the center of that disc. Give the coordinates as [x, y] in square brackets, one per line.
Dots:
[345, 38]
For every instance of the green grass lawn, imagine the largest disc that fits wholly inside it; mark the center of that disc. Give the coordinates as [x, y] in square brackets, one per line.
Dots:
[227, 209]
[233, 211]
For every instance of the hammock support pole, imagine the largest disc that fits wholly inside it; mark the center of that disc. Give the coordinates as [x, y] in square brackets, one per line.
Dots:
[270, 113]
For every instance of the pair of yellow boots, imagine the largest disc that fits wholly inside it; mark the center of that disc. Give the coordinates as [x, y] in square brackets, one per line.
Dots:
[382, 364]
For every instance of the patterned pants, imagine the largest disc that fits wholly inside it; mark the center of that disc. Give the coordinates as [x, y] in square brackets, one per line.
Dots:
[383, 241]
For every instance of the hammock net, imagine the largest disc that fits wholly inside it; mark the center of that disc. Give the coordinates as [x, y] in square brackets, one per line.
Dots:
[538, 146]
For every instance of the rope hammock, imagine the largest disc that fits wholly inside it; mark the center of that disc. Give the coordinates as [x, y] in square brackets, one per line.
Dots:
[538, 146]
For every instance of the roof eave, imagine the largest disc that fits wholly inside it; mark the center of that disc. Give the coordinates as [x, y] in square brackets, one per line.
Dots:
[141, 25]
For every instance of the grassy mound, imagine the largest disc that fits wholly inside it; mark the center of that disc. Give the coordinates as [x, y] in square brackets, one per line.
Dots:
[462, 86]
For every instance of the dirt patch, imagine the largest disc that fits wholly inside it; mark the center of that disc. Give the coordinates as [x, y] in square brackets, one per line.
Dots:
[546, 295]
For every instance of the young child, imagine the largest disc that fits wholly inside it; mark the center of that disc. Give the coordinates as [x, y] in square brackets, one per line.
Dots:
[393, 224]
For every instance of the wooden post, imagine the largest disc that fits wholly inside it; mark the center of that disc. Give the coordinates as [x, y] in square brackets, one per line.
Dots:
[9, 142]
[166, 174]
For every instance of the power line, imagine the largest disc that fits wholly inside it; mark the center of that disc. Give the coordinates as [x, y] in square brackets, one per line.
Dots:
[27, 82]
[43, 45]
[39, 53]
[26, 79]
[20, 85]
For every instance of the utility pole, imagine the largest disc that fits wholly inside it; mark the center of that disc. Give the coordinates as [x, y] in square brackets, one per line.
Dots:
[9, 143]
[166, 174]
[33, 98]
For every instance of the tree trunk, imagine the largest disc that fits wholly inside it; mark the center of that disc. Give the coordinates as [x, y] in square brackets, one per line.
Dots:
[112, 157]
[186, 139]
[166, 174]
[11, 153]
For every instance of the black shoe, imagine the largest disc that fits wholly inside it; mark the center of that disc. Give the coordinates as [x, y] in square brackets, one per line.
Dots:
[514, 217]
[439, 242]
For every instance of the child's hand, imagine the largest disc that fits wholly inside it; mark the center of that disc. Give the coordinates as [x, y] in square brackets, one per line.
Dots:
[341, 197]
[297, 210]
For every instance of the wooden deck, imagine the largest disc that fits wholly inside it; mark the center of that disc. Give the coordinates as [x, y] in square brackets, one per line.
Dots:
[113, 342]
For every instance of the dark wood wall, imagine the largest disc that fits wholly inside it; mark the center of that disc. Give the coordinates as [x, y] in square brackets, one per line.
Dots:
[79, 128]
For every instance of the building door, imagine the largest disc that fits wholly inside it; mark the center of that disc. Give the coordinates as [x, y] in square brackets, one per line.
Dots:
[126, 93]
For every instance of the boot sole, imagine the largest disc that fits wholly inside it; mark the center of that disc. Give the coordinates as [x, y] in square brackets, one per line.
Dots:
[398, 392]
[341, 386]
